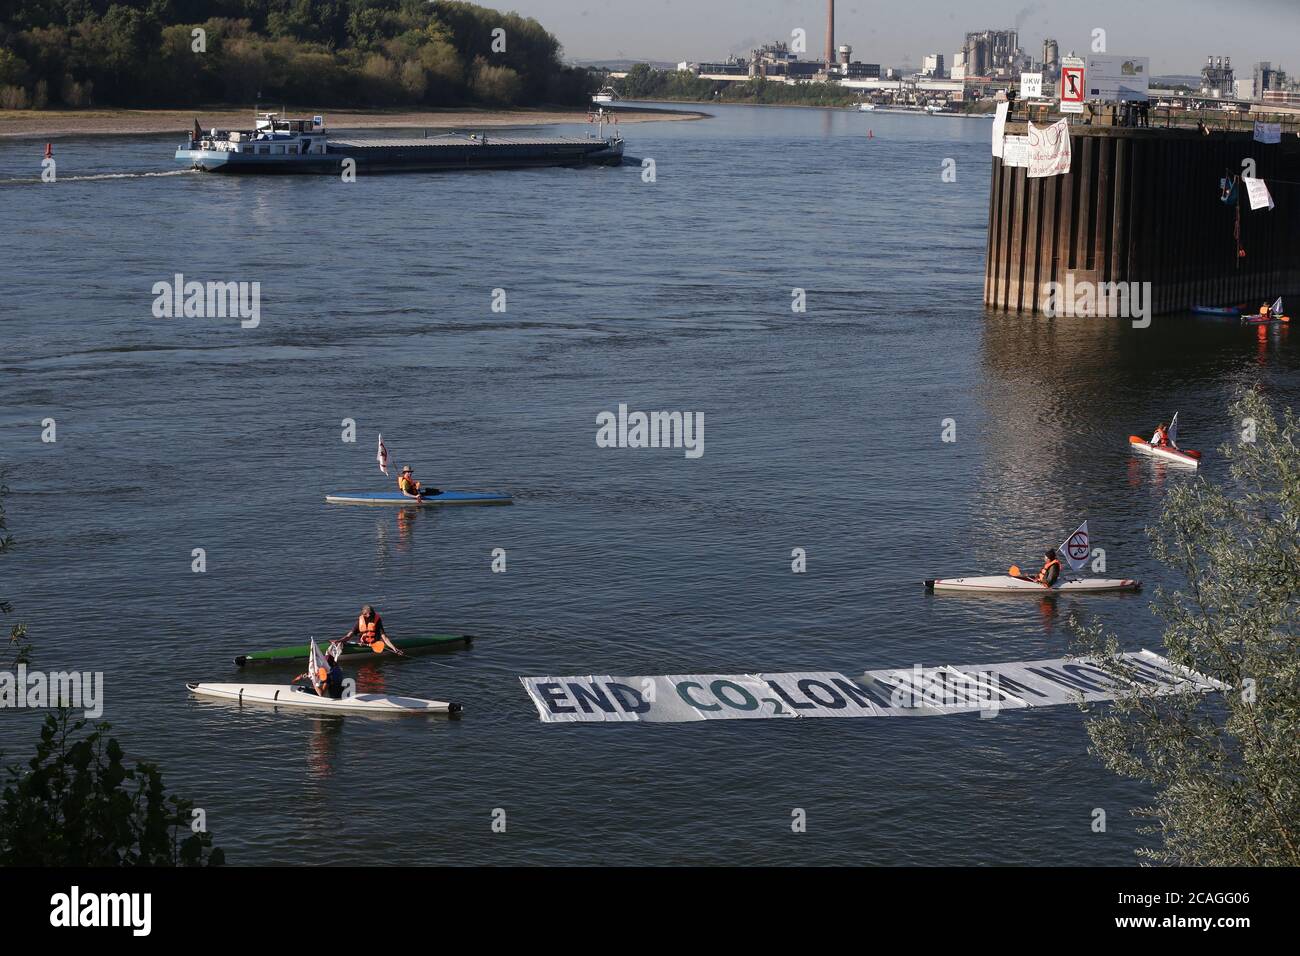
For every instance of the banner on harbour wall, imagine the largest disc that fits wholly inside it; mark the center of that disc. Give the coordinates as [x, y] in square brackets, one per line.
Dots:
[1049, 150]
[1015, 151]
[897, 692]
[1268, 132]
[1000, 126]
[1258, 194]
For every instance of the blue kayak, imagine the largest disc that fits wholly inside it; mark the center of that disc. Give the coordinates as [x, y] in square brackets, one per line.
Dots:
[445, 498]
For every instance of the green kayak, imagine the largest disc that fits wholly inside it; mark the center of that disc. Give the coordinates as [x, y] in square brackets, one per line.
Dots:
[410, 645]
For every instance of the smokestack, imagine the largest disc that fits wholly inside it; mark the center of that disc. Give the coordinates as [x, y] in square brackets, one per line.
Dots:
[830, 33]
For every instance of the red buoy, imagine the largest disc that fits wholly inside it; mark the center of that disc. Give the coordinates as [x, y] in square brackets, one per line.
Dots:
[49, 150]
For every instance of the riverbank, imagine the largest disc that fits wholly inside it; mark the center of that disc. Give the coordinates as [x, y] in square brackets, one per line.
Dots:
[122, 122]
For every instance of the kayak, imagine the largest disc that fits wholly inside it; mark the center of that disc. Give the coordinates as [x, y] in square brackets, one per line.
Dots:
[1217, 309]
[1264, 320]
[299, 652]
[1006, 584]
[1182, 456]
[288, 695]
[445, 498]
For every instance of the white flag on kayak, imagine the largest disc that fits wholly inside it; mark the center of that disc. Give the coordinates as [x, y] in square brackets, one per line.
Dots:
[1277, 307]
[1173, 430]
[1077, 548]
[316, 669]
[382, 456]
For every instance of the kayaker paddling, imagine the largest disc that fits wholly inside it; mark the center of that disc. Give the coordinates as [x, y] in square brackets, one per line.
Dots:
[1051, 570]
[327, 681]
[369, 632]
[1162, 438]
[411, 488]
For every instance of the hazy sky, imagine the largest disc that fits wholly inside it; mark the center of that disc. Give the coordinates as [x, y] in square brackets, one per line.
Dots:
[1176, 34]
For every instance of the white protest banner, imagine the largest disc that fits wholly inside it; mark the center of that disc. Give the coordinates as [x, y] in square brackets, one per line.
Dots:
[1268, 132]
[1015, 151]
[1257, 190]
[894, 692]
[999, 127]
[1049, 150]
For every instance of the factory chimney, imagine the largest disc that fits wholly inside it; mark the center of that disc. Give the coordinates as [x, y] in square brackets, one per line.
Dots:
[830, 34]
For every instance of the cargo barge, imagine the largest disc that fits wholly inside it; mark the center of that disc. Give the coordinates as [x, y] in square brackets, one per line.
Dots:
[279, 145]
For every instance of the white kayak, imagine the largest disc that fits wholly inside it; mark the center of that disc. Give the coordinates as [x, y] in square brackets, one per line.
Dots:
[1183, 457]
[1007, 584]
[289, 695]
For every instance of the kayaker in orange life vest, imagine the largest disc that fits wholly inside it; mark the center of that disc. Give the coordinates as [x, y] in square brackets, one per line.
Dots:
[408, 486]
[1051, 569]
[329, 679]
[1161, 438]
[369, 630]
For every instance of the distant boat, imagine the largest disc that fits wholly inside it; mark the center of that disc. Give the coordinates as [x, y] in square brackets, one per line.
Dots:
[607, 94]
[932, 110]
[866, 107]
[1232, 310]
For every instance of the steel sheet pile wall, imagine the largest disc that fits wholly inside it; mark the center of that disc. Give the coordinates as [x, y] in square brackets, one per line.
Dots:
[1142, 205]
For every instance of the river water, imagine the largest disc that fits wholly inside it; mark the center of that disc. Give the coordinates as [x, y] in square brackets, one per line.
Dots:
[823, 432]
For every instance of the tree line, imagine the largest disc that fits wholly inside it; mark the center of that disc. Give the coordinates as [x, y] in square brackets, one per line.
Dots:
[645, 83]
[377, 53]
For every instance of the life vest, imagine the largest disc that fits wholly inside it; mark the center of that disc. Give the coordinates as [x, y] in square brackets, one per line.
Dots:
[370, 629]
[1051, 571]
[1161, 437]
[406, 484]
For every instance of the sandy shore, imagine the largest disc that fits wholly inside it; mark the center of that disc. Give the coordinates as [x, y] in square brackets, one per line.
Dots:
[55, 123]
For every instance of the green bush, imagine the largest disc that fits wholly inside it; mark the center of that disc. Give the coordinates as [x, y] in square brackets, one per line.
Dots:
[1224, 767]
[74, 805]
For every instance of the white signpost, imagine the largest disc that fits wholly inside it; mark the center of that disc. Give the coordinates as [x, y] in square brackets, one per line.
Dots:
[1071, 85]
[1031, 86]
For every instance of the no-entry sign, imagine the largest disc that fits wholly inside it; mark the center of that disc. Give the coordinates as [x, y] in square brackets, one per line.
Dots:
[1072, 89]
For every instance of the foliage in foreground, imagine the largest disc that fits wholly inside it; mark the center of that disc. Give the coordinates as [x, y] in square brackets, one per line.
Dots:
[16, 649]
[75, 805]
[1225, 766]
